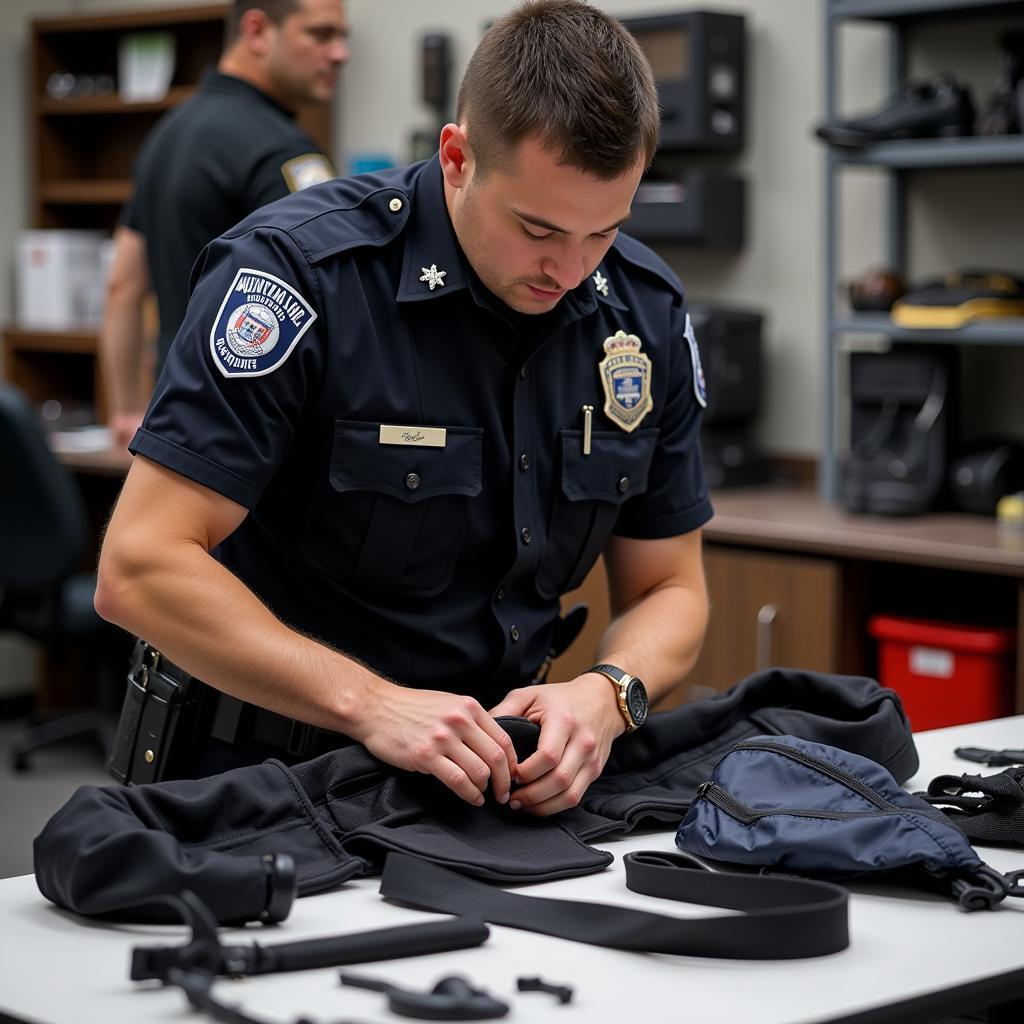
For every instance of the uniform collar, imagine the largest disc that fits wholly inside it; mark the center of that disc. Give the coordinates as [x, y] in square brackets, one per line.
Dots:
[213, 80]
[431, 243]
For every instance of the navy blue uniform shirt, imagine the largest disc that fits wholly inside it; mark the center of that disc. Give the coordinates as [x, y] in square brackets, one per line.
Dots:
[313, 338]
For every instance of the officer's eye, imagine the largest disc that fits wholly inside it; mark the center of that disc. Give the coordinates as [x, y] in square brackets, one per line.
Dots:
[537, 238]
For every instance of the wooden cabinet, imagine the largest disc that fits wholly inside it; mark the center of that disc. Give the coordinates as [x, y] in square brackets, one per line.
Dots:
[767, 610]
[81, 152]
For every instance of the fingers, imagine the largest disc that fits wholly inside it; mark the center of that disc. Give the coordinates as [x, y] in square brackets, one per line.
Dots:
[500, 756]
[515, 702]
[466, 749]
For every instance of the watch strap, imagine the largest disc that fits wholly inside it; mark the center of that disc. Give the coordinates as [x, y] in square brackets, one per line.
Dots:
[620, 680]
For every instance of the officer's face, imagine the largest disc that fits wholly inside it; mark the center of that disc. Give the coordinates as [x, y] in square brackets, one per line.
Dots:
[310, 45]
[534, 229]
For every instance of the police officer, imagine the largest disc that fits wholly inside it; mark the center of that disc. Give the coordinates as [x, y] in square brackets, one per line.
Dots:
[230, 149]
[405, 413]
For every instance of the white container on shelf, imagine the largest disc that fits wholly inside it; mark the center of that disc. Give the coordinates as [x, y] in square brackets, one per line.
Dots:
[59, 280]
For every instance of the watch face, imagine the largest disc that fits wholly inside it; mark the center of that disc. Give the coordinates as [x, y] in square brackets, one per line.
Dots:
[636, 701]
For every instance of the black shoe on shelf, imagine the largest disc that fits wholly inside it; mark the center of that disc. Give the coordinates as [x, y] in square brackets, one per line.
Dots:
[940, 107]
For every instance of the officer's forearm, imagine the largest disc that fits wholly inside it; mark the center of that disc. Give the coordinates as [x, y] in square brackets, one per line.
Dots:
[658, 637]
[121, 350]
[206, 620]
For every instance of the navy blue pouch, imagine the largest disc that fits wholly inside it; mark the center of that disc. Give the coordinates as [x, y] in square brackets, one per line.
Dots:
[810, 809]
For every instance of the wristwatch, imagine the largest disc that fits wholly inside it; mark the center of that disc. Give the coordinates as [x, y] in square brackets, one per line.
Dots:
[631, 693]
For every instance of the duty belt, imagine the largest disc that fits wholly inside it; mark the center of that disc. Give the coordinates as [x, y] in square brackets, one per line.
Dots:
[236, 721]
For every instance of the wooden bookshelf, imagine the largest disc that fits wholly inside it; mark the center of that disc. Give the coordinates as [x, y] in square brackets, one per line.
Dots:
[82, 149]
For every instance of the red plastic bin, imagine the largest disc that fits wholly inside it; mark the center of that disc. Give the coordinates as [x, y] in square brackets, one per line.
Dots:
[945, 675]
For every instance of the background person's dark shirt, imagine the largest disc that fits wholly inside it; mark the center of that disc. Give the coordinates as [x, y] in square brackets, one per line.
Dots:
[204, 167]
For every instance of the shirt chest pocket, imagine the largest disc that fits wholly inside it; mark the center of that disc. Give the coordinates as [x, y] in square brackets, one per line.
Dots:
[586, 505]
[390, 517]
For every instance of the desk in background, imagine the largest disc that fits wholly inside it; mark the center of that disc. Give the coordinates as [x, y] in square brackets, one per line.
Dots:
[794, 579]
[913, 956]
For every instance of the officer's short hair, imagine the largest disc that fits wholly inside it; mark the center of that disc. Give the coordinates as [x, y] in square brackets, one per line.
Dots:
[275, 10]
[569, 73]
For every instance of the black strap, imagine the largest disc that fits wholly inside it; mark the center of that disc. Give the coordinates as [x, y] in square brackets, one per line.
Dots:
[785, 917]
[986, 808]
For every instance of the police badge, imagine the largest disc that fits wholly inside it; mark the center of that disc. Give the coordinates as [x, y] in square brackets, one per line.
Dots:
[626, 378]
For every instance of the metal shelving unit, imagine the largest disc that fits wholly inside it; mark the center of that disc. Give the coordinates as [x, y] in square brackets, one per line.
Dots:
[897, 158]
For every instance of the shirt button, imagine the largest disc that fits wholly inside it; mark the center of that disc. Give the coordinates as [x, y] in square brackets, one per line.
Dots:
[500, 595]
[623, 484]
[522, 373]
[412, 481]
[526, 535]
[524, 462]
[395, 205]
[514, 633]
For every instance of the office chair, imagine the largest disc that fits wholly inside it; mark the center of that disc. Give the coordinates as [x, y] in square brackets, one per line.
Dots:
[44, 534]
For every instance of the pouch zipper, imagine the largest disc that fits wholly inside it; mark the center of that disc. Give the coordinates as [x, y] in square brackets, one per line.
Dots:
[723, 799]
[810, 761]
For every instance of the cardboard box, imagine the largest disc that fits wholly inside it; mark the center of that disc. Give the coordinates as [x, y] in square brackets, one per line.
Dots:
[60, 280]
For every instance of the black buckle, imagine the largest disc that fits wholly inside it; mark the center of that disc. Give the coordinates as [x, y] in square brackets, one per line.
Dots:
[148, 662]
[300, 738]
[984, 888]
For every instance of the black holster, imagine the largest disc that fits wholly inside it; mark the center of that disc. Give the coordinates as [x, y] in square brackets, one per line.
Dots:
[164, 714]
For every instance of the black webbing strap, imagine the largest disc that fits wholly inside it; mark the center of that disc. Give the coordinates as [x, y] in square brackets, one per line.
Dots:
[986, 808]
[785, 918]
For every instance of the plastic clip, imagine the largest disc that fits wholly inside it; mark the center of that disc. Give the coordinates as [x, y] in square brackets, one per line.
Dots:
[982, 889]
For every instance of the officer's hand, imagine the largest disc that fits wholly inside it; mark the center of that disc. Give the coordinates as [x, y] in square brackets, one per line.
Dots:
[122, 428]
[445, 735]
[578, 721]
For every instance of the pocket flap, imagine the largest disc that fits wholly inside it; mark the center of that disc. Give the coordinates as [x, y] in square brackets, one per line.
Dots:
[615, 469]
[359, 462]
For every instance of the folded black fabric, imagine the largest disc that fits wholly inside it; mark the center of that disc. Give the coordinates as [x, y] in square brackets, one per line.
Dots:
[339, 815]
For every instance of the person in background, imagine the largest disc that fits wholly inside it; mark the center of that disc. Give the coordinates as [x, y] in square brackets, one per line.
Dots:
[231, 148]
[404, 414]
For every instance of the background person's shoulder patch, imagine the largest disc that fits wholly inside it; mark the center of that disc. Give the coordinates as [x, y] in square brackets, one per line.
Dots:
[309, 169]
[258, 324]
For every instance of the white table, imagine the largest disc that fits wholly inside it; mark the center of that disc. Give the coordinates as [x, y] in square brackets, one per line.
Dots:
[912, 956]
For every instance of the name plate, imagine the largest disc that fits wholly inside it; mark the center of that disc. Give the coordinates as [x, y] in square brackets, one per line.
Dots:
[418, 437]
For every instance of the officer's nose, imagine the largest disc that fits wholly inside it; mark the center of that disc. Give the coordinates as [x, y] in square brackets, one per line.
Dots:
[567, 271]
[339, 52]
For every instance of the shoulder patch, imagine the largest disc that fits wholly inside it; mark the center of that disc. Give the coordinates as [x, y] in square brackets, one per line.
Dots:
[308, 169]
[260, 321]
[700, 388]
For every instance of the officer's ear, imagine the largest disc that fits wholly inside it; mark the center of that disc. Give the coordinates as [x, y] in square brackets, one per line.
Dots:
[456, 155]
[257, 31]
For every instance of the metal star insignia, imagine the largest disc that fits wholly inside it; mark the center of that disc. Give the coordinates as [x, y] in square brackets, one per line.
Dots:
[433, 276]
[601, 283]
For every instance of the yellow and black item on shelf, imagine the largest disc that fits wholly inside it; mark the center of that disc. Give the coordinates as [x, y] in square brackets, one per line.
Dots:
[959, 299]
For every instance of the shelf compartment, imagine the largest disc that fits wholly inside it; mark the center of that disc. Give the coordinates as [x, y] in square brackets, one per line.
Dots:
[19, 339]
[970, 151]
[111, 103]
[906, 10]
[85, 193]
[995, 331]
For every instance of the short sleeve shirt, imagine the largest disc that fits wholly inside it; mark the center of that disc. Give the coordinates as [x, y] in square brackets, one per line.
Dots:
[420, 474]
